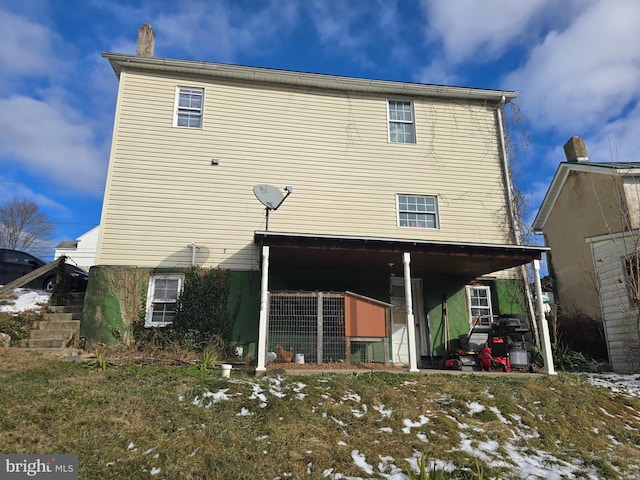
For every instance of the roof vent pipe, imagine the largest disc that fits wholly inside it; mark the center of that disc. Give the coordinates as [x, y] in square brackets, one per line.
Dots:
[576, 151]
[146, 41]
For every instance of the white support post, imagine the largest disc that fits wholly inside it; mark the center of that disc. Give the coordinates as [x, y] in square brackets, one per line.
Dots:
[411, 324]
[547, 355]
[262, 328]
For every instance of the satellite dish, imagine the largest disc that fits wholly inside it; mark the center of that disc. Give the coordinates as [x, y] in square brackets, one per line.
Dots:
[270, 197]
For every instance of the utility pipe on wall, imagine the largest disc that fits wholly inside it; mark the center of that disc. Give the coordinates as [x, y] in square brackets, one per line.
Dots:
[194, 247]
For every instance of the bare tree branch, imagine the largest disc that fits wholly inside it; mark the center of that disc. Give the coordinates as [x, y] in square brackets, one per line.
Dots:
[22, 225]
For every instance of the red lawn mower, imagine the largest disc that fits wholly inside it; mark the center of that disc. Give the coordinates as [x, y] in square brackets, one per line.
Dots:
[494, 345]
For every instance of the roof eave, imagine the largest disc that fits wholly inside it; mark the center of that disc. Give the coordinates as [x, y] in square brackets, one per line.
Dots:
[560, 178]
[120, 61]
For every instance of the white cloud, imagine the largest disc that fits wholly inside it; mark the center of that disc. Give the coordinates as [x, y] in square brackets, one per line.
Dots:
[51, 140]
[585, 75]
[618, 141]
[468, 28]
[9, 190]
[218, 30]
[26, 47]
[437, 73]
[334, 24]
[352, 28]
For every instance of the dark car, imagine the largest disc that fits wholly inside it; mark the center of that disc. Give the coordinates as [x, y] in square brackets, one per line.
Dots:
[14, 264]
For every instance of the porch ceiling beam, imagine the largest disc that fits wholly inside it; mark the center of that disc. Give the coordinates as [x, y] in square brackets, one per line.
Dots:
[390, 245]
[291, 250]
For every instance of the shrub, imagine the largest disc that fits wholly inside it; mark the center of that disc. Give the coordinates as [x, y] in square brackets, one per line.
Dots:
[582, 334]
[202, 315]
[201, 323]
[17, 325]
[568, 360]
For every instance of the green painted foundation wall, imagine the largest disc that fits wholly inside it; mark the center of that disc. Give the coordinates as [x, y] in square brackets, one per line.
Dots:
[508, 296]
[445, 299]
[117, 296]
[107, 317]
[244, 306]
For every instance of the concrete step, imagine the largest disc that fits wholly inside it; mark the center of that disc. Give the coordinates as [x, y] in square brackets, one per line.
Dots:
[56, 325]
[53, 334]
[43, 343]
[57, 317]
[59, 331]
[66, 309]
[63, 352]
[75, 299]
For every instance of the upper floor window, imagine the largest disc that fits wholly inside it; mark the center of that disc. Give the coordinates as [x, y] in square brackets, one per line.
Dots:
[162, 299]
[401, 125]
[188, 111]
[417, 211]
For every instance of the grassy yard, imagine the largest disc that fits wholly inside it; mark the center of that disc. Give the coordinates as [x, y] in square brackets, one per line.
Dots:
[133, 421]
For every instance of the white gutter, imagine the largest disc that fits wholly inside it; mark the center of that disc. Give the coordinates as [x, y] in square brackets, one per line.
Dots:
[513, 214]
[120, 62]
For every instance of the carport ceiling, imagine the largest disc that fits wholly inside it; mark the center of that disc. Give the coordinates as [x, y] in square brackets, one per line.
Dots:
[328, 252]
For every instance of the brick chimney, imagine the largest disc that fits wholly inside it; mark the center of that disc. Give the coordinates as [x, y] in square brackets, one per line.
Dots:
[146, 41]
[576, 151]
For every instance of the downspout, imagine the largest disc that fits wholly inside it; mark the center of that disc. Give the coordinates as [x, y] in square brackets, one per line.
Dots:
[513, 215]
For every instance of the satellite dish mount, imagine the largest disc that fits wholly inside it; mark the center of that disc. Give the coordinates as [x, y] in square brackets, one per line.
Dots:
[271, 198]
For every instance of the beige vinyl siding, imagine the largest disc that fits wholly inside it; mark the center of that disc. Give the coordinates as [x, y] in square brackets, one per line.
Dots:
[617, 310]
[330, 146]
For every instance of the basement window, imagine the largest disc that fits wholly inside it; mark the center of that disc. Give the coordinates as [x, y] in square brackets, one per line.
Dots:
[162, 299]
[188, 107]
[417, 211]
[479, 302]
[401, 125]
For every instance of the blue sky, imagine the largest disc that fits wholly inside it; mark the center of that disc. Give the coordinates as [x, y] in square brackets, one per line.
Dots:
[574, 63]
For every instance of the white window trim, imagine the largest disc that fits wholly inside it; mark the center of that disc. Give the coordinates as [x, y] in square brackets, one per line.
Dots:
[412, 122]
[436, 213]
[150, 299]
[469, 289]
[176, 107]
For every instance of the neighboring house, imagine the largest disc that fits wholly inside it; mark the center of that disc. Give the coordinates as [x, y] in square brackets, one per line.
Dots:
[81, 252]
[390, 180]
[583, 217]
[616, 263]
